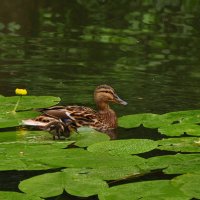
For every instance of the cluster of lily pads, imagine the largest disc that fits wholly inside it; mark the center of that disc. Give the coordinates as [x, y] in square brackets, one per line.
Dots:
[89, 163]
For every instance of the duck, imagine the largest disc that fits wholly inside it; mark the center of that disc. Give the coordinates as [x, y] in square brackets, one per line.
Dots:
[62, 120]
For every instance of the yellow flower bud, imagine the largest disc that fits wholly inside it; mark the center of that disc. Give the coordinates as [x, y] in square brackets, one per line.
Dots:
[21, 91]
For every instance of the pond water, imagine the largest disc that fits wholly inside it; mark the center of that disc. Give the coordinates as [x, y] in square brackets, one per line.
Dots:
[147, 50]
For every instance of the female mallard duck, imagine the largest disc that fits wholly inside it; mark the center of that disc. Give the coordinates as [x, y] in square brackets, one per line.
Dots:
[61, 119]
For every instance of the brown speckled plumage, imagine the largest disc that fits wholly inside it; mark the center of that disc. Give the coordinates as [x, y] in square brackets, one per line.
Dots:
[103, 120]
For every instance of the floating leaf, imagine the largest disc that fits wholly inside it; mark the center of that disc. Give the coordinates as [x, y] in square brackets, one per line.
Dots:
[183, 144]
[132, 121]
[170, 124]
[109, 173]
[23, 156]
[175, 164]
[161, 189]
[180, 129]
[8, 118]
[53, 184]
[12, 119]
[17, 196]
[88, 136]
[188, 184]
[7, 104]
[131, 146]
[78, 158]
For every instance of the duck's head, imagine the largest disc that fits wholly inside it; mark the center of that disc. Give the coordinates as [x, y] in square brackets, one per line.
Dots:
[106, 94]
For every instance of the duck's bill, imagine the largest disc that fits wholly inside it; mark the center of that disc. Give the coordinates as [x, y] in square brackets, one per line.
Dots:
[120, 101]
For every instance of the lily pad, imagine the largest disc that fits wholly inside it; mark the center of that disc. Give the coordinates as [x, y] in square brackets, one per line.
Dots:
[180, 129]
[53, 184]
[171, 124]
[175, 164]
[183, 144]
[131, 146]
[132, 121]
[27, 156]
[188, 184]
[7, 104]
[11, 119]
[78, 158]
[109, 173]
[87, 136]
[161, 189]
[17, 196]
[81, 182]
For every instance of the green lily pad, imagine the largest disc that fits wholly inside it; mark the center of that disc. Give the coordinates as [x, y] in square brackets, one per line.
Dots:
[53, 184]
[7, 104]
[9, 118]
[161, 189]
[175, 164]
[188, 184]
[88, 136]
[29, 156]
[180, 129]
[132, 121]
[109, 173]
[183, 144]
[12, 119]
[131, 146]
[171, 124]
[78, 158]
[17, 196]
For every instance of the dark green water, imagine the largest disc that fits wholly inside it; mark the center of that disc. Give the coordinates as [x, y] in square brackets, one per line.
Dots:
[147, 50]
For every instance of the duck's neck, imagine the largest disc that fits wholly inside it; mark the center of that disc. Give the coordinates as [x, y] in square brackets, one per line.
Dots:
[106, 114]
[103, 106]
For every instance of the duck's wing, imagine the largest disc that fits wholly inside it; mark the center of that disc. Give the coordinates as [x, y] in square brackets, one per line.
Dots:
[83, 116]
[80, 115]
